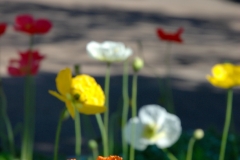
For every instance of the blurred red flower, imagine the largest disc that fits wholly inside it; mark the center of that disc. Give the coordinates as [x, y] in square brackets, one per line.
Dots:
[27, 24]
[3, 27]
[29, 62]
[171, 37]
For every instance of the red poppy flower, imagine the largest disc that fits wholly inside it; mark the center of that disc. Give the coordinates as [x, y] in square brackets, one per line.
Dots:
[3, 27]
[27, 24]
[171, 37]
[23, 66]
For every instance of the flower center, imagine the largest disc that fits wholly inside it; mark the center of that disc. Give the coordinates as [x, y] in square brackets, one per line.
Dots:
[76, 96]
[149, 131]
[28, 26]
[24, 70]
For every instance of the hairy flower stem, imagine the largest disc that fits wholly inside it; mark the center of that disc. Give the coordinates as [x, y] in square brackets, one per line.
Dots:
[29, 111]
[103, 133]
[57, 136]
[125, 108]
[6, 120]
[190, 148]
[134, 113]
[168, 88]
[106, 91]
[227, 123]
[77, 133]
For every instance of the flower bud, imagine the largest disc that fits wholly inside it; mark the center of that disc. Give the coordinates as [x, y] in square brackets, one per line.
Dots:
[198, 134]
[92, 144]
[138, 64]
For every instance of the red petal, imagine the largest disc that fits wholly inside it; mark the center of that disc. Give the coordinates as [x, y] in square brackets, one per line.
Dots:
[24, 23]
[14, 71]
[34, 69]
[3, 27]
[27, 24]
[20, 67]
[42, 26]
[24, 19]
[171, 37]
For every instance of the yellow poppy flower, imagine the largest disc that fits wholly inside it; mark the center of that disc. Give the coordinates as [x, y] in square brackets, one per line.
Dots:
[225, 75]
[81, 91]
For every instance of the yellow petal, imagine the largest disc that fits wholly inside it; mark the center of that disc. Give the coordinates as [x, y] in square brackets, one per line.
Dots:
[63, 81]
[226, 83]
[57, 95]
[89, 109]
[70, 108]
[91, 93]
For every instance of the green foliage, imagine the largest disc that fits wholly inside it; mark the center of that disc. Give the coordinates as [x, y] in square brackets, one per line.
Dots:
[208, 148]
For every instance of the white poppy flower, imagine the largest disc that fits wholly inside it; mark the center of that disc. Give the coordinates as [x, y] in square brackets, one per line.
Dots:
[154, 125]
[108, 51]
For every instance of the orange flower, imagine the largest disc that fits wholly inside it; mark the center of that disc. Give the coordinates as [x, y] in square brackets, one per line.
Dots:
[109, 158]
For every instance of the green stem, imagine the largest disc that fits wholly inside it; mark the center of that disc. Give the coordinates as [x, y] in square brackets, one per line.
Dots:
[227, 124]
[95, 153]
[170, 155]
[29, 122]
[152, 69]
[168, 88]
[104, 135]
[6, 120]
[190, 148]
[77, 133]
[134, 112]
[29, 111]
[106, 91]
[57, 136]
[125, 108]
[86, 123]
[111, 133]
[134, 95]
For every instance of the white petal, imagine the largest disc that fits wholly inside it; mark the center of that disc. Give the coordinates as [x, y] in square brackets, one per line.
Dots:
[111, 44]
[153, 115]
[170, 131]
[134, 136]
[94, 50]
[109, 51]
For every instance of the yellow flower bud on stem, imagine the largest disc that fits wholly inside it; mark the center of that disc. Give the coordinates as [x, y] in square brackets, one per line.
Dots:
[197, 135]
[94, 147]
[134, 112]
[138, 64]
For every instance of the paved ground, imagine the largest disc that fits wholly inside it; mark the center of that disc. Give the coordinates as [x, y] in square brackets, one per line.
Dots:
[211, 35]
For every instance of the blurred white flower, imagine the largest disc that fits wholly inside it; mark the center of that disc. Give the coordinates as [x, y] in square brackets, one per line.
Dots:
[154, 125]
[108, 51]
